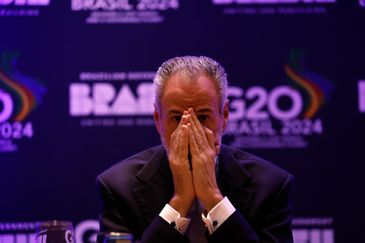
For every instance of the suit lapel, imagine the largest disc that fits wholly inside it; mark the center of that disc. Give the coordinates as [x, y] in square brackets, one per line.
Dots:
[156, 187]
[234, 180]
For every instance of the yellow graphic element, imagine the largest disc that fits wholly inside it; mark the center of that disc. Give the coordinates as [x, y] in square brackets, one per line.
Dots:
[25, 108]
[315, 98]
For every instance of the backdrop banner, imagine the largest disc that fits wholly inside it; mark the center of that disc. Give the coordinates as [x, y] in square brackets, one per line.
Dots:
[76, 97]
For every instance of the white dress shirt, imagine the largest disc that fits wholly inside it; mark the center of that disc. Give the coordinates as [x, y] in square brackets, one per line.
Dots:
[213, 220]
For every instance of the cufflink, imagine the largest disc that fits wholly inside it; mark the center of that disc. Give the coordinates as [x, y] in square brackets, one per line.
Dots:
[215, 223]
[173, 224]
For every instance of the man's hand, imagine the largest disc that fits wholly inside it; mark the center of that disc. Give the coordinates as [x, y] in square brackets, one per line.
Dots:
[179, 165]
[203, 154]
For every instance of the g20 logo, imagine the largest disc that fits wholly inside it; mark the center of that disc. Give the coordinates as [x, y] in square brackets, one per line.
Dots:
[8, 130]
[7, 106]
[264, 104]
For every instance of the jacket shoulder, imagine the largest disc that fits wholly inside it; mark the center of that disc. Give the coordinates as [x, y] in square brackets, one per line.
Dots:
[261, 171]
[252, 162]
[124, 172]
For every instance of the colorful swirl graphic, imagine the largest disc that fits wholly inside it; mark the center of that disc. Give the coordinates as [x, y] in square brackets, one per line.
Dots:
[317, 87]
[26, 92]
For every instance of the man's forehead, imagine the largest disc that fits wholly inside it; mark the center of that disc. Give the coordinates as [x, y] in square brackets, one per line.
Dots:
[199, 101]
[181, 93]
[175, 110]
[188, 81]
[180, 87]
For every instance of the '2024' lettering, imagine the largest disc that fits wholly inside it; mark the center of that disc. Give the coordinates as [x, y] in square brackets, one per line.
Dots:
[157, 4]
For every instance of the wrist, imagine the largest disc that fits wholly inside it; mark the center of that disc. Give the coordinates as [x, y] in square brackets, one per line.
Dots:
[181, 205]
[212, 200]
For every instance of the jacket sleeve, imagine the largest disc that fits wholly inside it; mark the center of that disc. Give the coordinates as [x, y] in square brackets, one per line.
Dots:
[115, 217]
[273, 226]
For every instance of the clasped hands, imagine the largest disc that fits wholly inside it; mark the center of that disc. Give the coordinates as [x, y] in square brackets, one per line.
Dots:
[196, 179]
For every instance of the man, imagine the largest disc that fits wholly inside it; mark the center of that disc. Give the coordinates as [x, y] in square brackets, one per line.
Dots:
[193, 188]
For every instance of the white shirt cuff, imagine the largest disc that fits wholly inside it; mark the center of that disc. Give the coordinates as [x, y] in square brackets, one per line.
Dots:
[218, 215]
[171, 216]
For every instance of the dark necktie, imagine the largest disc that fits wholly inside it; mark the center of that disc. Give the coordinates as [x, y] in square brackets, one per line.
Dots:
[196, 228]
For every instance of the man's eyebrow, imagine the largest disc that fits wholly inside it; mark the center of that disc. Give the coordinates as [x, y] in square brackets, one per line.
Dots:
[203, 110]
[174, 112]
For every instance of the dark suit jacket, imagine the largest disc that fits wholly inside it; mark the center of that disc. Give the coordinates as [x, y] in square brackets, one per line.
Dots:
[134, 191]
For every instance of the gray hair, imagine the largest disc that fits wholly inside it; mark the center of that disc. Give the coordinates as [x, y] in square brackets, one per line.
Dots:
[191, 67]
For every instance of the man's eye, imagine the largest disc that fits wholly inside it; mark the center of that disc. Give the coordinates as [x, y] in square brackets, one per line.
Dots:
[176, 118]
[203, 118]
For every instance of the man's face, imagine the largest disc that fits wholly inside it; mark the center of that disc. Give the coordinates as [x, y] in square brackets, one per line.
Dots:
[181, 94]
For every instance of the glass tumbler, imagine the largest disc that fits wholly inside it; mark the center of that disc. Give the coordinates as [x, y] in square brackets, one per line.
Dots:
[55, 231]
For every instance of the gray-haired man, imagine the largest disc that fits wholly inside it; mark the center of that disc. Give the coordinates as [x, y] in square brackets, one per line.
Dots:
[193, 188]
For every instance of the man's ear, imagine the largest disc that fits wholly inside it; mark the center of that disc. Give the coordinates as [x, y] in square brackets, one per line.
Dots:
[225, 114]
[156, 117]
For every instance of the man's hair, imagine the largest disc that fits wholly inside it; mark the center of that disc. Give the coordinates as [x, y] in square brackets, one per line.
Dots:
[191, 67]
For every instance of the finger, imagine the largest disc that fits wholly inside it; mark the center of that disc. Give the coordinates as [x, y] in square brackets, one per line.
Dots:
[198, 130]
[184, 142]
[195, 134]
[193, 146]
[176, 136]
[184, 120]
[210, 137]
[194, 119]
[177, 143]
[217, 148]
